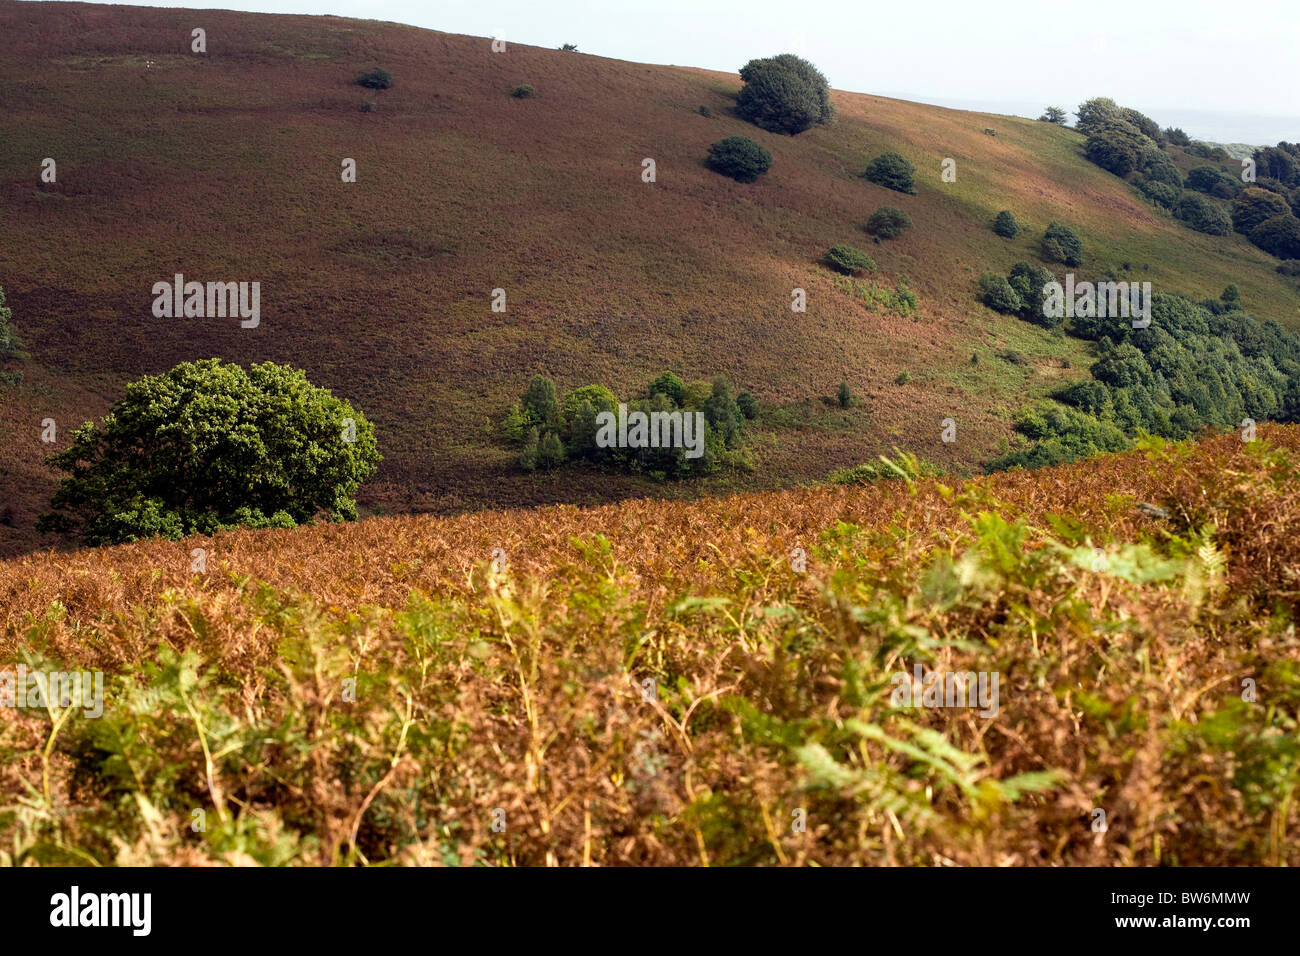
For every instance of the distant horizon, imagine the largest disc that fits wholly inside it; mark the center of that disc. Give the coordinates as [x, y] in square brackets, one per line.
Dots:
[1137, 56]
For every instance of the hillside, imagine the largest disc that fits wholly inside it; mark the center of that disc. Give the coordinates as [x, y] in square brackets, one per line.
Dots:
[224, 166]
[675, 683]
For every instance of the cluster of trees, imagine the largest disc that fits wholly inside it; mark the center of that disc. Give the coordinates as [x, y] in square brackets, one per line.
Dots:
[1020, 293]
[1125, 141]
[1195, 365]
[209, 446]
[550, 429]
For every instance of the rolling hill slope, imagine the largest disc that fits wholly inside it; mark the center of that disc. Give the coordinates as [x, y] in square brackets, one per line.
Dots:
[225, 166]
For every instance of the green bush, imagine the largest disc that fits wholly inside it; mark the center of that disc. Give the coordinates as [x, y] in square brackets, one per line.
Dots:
[1176, 136]
[539, 402]
[1054, 114]
[1142, 123]
[209, 446]
[376, 79]
[748, 405]
[1095, 112]
[997, 294]
[849, 260]
[1279, 236]
[783, 94]
[8, 341]
[1162, 194]
[1254, 206]
[1158, 167]
[1116, 146]
[1005, 224]
[1062, 244]
[740, 158]
[844, 395]
[1028, 281]
[887, 222]
[903, 378]
[671, 385]
[1203, 215]
[891, 171]
[523, 91]
[1212, 180]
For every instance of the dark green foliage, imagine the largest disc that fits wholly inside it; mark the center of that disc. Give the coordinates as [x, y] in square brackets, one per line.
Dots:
[888, 222]
[209, 446]
[1142, 123]
[1254, 206]
[1176, 136]
[784, 94]
[903, 378]
[1192, 367]
[844, 395]
[1094, 112]
[1206, 151]
[1162, 194]
[1005, 225]
[570, 48]
[376, 79]
[1157, 166]
[706, 112]
[1062, 244]
[891, 171]
[997, 294]
[1028, 281]
[740, 158]
[1203, 215]
[1279, 236]
[523, 91]
[1116, 146]
[8, 342]
[1060, 434]
[1231, 296]
[539, 403]
[1280, 162]
[748, 405]
[1053, 114]
[1291, 268]
[550, 433]
[849, 260]
[669, 384]
[1213, 181]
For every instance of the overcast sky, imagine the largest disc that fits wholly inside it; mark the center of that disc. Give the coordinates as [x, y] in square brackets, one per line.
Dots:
[1225, 71]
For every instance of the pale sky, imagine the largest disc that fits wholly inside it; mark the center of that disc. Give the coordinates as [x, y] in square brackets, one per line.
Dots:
[1225, 71]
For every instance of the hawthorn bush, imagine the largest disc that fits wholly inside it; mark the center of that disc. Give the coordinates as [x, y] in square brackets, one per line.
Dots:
[740, 158]
[209, 446]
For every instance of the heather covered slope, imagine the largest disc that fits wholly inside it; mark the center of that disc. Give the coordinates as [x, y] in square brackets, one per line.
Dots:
[225, 166]
[683, 683]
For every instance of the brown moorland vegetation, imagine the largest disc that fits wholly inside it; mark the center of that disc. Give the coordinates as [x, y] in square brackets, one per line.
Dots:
[662, 682]
[225, 166]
